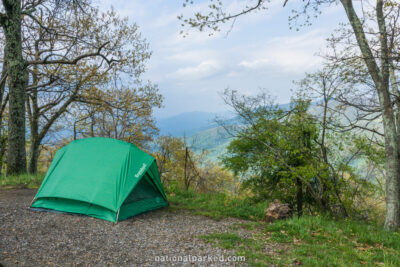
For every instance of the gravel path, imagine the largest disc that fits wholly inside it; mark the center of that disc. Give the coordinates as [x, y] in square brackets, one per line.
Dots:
[29, 238]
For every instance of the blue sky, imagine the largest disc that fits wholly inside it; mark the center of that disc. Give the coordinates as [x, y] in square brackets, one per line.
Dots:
[260, 52]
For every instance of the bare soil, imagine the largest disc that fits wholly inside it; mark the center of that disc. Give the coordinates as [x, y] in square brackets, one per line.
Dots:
[31, 238]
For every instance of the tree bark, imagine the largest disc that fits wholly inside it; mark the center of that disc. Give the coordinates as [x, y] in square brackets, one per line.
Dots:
[3, 103]
[33, 114]
[299, 197]
[33, 156]
[380, 76]
[185, 175]
[17, 82]
[396, 93]
[38, 135]
[3, 144]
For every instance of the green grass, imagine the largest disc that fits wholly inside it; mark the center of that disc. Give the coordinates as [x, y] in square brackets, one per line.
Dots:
[23, 180]
[217, 205]
[315, 241]
[308, 241]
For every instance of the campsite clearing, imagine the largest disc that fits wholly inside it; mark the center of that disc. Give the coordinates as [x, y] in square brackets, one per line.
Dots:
[29, 238]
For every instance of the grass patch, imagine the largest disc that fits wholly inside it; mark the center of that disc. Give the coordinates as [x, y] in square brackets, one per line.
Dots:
[316, 241]
[217, 205]
[251, 225]
[254, 249]
[321, 240]
[22, 180]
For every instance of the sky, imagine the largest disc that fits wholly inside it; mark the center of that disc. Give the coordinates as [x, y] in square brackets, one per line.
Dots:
[260, 52]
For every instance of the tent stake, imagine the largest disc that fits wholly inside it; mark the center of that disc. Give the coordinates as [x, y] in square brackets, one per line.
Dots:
[116, 221]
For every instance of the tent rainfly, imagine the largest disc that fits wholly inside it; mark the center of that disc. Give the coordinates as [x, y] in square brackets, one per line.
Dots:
[103, 178]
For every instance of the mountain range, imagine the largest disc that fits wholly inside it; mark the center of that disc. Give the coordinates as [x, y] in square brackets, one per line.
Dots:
[200, 130]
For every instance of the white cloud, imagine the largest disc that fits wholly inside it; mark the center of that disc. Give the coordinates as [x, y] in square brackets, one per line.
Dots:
[193, 56]
[165, 20]
[255, 64]
[290, 54]
[260, 51]
[200, 71]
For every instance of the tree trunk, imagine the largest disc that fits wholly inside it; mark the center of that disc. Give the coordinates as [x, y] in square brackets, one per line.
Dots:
[380, 76]
[92, 122]
[33, 156]
[396, 93]
[185, 171]
[3, 144]
[35, 139]
[17, 81]
[3, 103]
[299, 197]
[392, 220]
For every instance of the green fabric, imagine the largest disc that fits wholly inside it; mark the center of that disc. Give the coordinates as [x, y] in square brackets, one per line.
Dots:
[74, 206]
[140, 206]
[99, 177]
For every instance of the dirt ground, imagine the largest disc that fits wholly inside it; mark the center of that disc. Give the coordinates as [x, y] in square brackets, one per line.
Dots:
[31, 238]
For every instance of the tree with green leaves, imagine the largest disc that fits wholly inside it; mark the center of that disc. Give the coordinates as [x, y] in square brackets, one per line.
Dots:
[376, 44]
[273, 150]
[347, 136]
[275, 154]
[33, 25]
[55, 85]
[289, 155]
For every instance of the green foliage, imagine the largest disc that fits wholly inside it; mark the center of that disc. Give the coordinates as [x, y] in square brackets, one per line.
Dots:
[299, 158]
[276, 154]
[315, 241]
[24, 180]
[372, 151]
[216, 205]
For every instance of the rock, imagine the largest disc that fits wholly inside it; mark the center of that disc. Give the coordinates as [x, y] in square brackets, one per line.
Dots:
[277, 210]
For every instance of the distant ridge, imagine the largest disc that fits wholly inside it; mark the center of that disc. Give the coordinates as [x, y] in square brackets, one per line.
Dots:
[203, 133]
[191, 123]
[201, 130]
[188, 123]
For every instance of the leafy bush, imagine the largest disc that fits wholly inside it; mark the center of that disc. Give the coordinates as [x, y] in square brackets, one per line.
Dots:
[290, 155]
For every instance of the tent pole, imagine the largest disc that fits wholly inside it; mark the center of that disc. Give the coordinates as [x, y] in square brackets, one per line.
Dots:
[116, 221]
[33, 200]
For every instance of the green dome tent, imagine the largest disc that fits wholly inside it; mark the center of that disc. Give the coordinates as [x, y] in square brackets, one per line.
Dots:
[101, 177]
